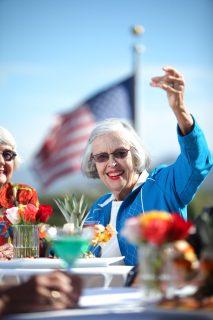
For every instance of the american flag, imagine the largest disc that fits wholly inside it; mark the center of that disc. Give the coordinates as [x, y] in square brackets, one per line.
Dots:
[62, 149]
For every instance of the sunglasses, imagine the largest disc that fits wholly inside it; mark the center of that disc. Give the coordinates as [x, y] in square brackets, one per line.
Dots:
[104, 156]
[8, 155]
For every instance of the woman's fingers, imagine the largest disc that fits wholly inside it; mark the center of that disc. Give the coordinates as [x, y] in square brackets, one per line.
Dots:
[173, 79]
[171, 71]
[171, 82]
[172, 88]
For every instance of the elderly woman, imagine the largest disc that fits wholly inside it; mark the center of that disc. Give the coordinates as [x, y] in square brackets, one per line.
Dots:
[116, 156]
[10, 194]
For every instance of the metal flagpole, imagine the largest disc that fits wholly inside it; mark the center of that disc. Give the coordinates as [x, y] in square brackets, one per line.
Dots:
[137, 32]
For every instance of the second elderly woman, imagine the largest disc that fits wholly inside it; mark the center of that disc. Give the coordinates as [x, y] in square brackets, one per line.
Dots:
[10, 194]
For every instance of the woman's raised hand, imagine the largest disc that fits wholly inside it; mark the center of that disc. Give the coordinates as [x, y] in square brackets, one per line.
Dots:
[173, 83]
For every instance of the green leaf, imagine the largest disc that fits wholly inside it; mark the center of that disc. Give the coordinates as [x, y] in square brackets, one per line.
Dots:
[73, 208]
[62, 209]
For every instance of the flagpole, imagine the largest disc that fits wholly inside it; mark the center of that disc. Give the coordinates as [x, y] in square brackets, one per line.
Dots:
[137, 49]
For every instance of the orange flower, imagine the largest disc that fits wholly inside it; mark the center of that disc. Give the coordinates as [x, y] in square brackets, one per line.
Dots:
[26, 194]
[6, 196]
[146, 218]
[102, 234]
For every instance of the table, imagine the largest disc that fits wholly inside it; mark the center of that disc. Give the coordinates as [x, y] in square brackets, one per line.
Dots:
[112, 275]
[114, 304]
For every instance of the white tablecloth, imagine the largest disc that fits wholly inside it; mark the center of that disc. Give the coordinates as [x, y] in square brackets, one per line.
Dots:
[112, 276]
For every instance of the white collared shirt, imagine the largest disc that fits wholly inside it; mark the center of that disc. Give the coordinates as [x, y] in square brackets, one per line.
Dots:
[111, 248]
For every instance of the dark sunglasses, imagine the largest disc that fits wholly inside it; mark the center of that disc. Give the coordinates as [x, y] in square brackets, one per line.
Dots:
[104, 156]
[8, 155]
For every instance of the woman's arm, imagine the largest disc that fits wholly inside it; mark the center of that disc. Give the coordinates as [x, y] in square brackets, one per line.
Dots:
[182, 179]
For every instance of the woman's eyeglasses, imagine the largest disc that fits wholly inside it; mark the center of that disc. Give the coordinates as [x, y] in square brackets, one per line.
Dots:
[8, 155]
[104, 156]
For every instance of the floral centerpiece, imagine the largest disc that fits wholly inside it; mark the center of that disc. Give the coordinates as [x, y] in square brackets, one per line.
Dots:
[21, 216]
[154, 232]
[202, 298]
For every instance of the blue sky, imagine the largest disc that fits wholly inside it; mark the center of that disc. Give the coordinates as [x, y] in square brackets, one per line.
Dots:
[56, 53]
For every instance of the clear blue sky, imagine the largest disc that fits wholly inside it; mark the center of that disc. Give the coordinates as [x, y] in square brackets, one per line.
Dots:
[56, 53]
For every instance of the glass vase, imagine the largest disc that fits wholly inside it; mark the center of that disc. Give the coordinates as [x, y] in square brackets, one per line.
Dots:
[26, 241]
[155, 271]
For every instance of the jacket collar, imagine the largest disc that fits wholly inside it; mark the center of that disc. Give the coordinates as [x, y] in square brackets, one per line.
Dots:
[142, 178]
[108, 200]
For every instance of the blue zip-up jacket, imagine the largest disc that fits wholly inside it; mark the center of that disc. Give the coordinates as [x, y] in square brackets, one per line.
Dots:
[169, 188]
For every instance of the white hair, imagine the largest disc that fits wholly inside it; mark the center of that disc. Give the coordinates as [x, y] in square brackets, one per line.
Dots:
[6, 138]
[140, 155]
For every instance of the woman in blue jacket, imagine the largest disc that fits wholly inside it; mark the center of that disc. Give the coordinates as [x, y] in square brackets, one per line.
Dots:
[116, 156]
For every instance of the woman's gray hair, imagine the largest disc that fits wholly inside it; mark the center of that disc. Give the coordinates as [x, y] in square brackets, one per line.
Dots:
[6, 138]
[140, 155]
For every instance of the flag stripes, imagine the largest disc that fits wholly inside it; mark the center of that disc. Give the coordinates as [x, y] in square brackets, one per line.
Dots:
[62, 149]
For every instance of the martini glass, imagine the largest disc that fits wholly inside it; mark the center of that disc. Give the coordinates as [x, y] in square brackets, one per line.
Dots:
[69, 247]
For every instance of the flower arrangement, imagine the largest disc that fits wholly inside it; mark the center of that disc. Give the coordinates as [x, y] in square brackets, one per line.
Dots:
[156, 228]
[21, 209]
[154, 232]
[20, 205]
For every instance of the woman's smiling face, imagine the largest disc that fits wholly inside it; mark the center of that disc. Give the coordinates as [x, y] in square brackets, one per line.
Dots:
[118, 175]
[6, 167]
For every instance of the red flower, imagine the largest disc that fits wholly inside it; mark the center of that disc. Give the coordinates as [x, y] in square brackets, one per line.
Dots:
[44, 212]
[179, 228]
[6, 196]
[28, 213]
[156, 231]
